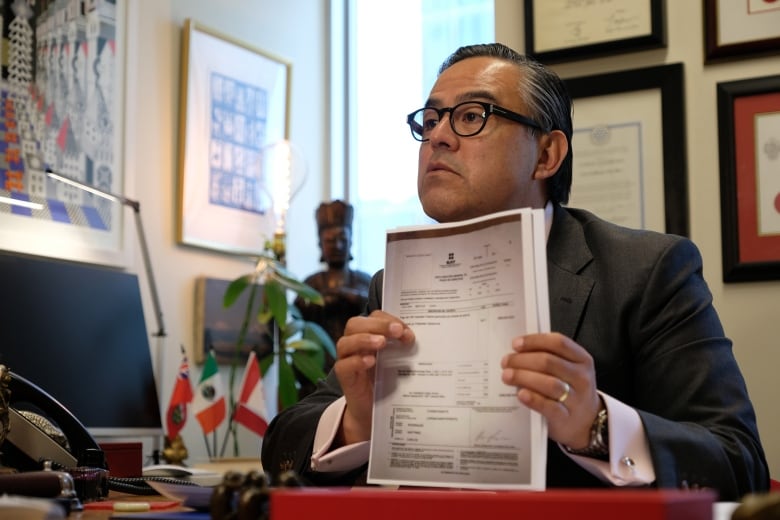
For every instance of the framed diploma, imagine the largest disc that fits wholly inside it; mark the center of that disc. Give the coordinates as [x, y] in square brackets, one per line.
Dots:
[738, 29]
[630, 163]
[560, 30]
[749, 143]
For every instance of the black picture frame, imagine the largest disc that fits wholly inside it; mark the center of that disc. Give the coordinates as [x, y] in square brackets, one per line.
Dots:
[669, 79]
[714, 51]
[656, 38]
[739, 189]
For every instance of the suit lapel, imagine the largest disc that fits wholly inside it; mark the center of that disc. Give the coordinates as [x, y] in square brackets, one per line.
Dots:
[567, 255]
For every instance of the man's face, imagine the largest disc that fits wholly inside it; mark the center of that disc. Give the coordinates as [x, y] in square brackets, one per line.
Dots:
[465, 177]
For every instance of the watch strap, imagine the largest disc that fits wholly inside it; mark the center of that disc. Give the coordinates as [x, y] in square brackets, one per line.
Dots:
[598, 447]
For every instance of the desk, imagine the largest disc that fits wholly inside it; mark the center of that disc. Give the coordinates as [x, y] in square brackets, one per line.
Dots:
[720, 510]
[554, 504]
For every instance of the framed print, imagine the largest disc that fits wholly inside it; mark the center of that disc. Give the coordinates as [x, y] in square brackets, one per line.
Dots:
[560, 30]
[749, 143]
[62, 93]
[234, 104]
[630, 163]
[739, 29]
[218, 327]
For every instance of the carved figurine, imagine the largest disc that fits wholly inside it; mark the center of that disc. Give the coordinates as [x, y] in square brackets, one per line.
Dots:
[345, 291]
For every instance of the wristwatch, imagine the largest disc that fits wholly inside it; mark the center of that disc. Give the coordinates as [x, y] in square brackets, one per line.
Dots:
[598, 447]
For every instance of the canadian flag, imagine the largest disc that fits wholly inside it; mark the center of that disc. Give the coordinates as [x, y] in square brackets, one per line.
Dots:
[250, 410]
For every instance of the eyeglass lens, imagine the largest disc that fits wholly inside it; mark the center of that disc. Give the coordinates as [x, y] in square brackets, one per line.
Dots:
[466, 119]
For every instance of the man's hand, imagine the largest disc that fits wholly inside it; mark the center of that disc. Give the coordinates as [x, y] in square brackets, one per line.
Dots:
[541, 367]
[356, 351]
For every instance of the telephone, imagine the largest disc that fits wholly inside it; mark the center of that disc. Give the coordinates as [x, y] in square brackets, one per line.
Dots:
[27, 444]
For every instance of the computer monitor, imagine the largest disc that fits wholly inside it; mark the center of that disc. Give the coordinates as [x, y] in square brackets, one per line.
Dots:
[78, 332]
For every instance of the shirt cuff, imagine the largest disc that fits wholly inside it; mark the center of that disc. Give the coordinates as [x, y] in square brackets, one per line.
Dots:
[629, 461]
[344, 458]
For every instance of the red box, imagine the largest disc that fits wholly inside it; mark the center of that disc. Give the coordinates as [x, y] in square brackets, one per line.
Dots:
[124, 459]
[584, 504]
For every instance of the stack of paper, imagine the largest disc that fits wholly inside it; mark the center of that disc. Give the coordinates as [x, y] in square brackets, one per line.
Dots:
[442, 415]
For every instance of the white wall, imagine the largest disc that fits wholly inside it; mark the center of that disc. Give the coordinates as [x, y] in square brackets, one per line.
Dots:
[294, 30]
[749, 311]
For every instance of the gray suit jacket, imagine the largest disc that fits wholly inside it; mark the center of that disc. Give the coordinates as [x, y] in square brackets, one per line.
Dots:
[636, 300]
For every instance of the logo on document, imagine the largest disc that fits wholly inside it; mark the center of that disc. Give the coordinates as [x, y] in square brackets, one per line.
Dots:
[450, 262]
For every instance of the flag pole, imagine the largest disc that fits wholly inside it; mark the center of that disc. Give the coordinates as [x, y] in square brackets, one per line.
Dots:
[206, 442]
[229, 432]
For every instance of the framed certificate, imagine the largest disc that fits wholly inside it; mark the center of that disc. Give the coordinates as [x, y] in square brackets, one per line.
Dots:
[630, 163]
[739, 29]
[561, 30]
[749, 144]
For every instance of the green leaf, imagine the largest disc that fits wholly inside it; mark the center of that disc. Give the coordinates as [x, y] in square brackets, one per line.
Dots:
[315, 332]
[264, 315]
[293, 328]
[277, 301]
[235, 289]
[265, 363]
[304, 345]
[288, 391]
[301, 289]
[308, 365]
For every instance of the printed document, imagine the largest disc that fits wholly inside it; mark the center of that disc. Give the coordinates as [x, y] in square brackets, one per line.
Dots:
[442, 415]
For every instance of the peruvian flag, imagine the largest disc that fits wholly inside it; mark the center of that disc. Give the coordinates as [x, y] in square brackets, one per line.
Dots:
[181, 396]
[209, 402]
[250, 410]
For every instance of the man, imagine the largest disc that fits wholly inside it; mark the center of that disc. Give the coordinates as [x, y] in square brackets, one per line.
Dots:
[637, 381]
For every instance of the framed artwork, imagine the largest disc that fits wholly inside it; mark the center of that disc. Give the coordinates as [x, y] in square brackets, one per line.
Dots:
[749, 143]
[234, 104]
[62, 93]
[218, 328]
[560, 30]
[740, 29]
[630, 163]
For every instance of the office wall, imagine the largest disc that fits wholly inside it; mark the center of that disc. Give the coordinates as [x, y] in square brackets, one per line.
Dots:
[749, 311]
[294, 30]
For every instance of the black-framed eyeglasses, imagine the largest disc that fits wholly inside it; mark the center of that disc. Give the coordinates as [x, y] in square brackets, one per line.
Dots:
[466, 119]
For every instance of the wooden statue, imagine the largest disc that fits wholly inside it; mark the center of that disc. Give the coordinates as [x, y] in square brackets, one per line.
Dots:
[344, 290]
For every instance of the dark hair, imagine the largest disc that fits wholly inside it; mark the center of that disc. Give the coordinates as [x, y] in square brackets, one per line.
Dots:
[546, 97]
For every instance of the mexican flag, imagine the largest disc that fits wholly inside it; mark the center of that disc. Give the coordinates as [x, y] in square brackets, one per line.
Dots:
[209, 402]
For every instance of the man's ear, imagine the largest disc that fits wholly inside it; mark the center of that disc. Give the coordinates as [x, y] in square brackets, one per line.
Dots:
[553, 148]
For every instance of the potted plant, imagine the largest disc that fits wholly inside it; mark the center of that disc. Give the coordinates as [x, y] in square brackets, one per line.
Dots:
[299, 346]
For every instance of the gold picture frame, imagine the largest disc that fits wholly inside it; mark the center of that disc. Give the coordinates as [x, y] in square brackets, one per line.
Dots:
[234, 103]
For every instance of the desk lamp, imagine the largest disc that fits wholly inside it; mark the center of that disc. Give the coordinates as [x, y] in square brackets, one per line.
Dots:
[19, 202]
[141, 236]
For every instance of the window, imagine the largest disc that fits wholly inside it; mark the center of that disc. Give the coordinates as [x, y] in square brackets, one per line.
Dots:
[394, 50]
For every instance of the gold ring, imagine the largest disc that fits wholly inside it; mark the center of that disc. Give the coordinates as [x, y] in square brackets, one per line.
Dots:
[565, 394]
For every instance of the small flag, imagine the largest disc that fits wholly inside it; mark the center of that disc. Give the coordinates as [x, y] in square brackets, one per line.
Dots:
[251, 411]
[209, 402]
[180, 397]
